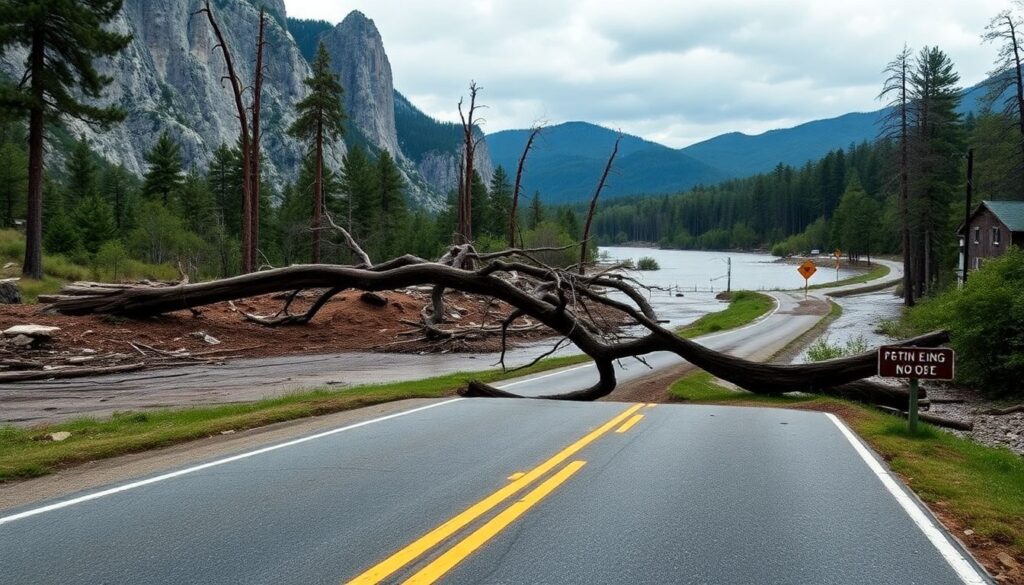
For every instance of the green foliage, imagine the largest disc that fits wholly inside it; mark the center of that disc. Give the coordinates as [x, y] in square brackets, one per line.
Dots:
[535, 214]
[744, 307]
[419, 134]
[855, 223]
[111, 259]
[822, 349]
[307, 35]
[13, 183]
[986, 324]
[82, 177]
[647, 263]
[164, 178]
[320, 115]
[94, 222]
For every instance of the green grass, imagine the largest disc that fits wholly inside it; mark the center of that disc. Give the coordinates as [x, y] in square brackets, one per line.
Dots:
[979, 486]
[22, 455]
[59, 269]
[744, 307]
[877, 271]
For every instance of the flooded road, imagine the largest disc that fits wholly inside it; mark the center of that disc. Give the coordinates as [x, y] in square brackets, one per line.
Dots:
[861, 316]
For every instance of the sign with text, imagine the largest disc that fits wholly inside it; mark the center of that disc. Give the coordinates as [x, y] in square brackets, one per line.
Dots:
[919, 363]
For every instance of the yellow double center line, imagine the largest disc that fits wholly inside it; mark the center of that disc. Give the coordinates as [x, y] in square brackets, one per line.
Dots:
[431, 572]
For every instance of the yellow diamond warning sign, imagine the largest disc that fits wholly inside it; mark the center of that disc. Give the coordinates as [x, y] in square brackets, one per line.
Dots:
[807, 269]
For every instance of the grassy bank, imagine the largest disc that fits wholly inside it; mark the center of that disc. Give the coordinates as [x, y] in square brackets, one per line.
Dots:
[744, 307]
[23, 455]
[978, 487]
[877, 272]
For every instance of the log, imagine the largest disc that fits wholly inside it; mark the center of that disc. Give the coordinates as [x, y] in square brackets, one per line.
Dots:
[554, 301]
[874, 393]
[934, 419]
[67, 373]
[1004, 411]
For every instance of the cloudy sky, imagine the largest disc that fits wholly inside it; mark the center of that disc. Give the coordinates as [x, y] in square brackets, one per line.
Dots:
[672, 71]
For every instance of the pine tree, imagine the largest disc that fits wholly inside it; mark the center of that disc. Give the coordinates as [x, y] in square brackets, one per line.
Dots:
[164, 177]
[119, 188]
[80, 168]
[501, 202]
[195, 204]
[480, 204]
[63, 38]
[393, 208]
[224, 176]
[320, 118]
[358, 181]
[95, 222]
[535, 215]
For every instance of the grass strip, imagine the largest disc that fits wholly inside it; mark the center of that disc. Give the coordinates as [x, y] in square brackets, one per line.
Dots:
[744, 307]
[24, 455]
[977, 485]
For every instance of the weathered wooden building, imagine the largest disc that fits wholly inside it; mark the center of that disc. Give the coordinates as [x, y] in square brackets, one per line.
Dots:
[993, 227]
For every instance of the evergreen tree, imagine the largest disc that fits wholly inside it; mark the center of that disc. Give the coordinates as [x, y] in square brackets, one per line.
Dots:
[95, 222]
[501, 202]
[62, 39]
[195, 204]
[480, 206]
[80, 168]
[358, 183]
[119, 189]
[224, 176]
[320, 118]
[535, 214]
[393, 208]
[164, 177]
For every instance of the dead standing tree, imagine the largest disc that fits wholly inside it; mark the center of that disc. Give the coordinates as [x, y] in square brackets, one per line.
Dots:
[896, 127]
[585, 242]
[249, 143]
[464, 215]
[513, 216]
[560, 299]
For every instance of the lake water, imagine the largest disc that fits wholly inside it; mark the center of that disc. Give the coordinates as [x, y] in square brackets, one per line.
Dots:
[690, 268]
[684, 270]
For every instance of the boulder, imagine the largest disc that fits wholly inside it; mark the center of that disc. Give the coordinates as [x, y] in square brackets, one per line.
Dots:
[10, 294]
[31, 330]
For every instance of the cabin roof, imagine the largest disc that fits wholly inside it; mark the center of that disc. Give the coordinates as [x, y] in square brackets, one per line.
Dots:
[1011, 213]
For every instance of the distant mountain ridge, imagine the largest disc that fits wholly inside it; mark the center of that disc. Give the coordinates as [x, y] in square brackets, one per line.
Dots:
[567, 162]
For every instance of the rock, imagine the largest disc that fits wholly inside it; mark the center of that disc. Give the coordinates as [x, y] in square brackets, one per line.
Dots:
[228, 432]
[968, 532]
[88, 351]
[206, 337]
[58, 436]
[80, 359]
[23, 341]
[1007, 561]
[30, 330]
[10, 294]
[9, 265]
[372, 298]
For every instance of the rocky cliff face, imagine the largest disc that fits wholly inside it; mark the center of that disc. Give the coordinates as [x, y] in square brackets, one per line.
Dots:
[358, 57]
[169, 78]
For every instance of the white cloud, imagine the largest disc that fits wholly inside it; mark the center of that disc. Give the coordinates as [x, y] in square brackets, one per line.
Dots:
[672, 71]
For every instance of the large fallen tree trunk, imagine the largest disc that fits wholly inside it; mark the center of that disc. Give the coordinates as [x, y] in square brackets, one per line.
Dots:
[558, 298]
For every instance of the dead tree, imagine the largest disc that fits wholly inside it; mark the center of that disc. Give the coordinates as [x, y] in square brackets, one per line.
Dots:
[896, 126]
[254, 156]
[250, 198]
[561, 299]
[513, 217]
[585, 242]
[464, 215]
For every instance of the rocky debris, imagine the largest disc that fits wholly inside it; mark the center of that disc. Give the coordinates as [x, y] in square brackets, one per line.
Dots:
[997, 430]
[206, 337]
[10, 294]
[58, 436]
[1007, 561]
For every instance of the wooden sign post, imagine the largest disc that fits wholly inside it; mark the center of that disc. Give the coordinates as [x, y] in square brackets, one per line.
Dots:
[838, 254]
[807, 270]
[916, 363]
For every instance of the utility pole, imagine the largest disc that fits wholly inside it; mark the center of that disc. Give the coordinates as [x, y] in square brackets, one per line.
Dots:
[967, 214]
[728, 278]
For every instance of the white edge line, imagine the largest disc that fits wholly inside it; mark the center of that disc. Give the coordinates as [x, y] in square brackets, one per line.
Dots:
[756, 322]
[963, 567]
[188, 470]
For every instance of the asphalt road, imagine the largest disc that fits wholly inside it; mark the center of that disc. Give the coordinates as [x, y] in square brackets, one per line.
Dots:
[683, 494]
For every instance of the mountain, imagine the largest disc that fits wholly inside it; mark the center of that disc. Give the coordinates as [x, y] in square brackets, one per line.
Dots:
[742, 155]
[170, 78]
[567, 160]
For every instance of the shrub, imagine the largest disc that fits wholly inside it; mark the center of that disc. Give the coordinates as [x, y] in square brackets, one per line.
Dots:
[647, 263]
[985, 320]
[823, 349]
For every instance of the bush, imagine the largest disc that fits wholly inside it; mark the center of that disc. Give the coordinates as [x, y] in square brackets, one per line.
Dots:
[985, 320]
[822, 349]
[647, 263]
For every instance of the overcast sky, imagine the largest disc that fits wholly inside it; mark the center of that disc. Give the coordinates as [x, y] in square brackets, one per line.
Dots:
[676, 72]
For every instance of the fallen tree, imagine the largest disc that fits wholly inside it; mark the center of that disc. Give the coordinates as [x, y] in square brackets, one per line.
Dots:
[560, 298]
